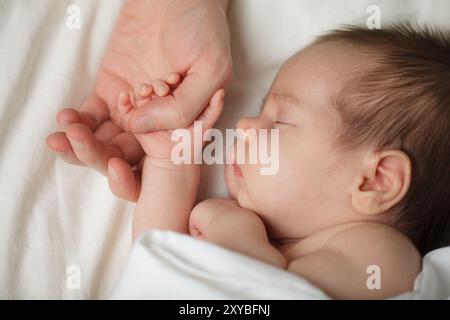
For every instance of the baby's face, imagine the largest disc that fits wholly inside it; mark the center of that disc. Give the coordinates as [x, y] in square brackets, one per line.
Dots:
[309, 192]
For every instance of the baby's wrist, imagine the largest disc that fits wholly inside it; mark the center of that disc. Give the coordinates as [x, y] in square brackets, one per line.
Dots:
[168, 164]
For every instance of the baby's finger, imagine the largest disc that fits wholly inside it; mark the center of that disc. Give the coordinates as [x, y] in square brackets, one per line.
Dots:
[199, 220]
[160, 87]
[124, 103]
[89, 150]
[173, 79]
[142, 94]
[143, 91]
[178, 110]
[123, 181]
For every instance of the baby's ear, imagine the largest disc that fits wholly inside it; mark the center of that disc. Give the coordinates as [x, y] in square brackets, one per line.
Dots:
[384, 180]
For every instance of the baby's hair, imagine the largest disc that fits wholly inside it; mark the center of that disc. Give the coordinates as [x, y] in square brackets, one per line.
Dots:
[402, 101]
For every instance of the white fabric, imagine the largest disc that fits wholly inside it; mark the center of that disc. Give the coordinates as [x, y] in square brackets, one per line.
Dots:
[167, 265]
[53, 215]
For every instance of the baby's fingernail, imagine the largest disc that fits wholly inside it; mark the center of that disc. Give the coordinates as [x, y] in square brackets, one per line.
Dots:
[143, 90]
[160, 89]
[173, 78]
[113, 174]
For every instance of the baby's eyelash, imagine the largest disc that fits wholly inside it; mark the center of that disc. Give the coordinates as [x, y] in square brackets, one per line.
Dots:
[284, 123]
[278, 123]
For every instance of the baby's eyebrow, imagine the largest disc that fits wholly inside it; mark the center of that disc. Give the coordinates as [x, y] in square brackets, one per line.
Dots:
[287, 97]
[283, 96]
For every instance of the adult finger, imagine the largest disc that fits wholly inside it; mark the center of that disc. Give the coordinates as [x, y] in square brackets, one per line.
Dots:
[129, 146]
[213, 111]
[92, 113]
[88, 149]
[123, 181]
[178, 110]
[58, 143]
[94, 110]
[107, 131]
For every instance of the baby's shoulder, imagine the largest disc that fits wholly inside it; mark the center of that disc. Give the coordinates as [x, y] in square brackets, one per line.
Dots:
[373, 237]
[359, 256]
[381, 248]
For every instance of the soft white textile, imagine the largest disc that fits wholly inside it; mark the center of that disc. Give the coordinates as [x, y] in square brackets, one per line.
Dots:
[53, 216]
[167, 265]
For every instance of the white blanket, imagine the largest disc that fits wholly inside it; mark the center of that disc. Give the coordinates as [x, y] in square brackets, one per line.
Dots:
[167, 265]
[54, 217]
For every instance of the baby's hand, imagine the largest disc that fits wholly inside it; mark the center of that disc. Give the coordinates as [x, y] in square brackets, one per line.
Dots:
[220, 220]
[158, 144]
[225, 223]
[208, 217]
[144, 93]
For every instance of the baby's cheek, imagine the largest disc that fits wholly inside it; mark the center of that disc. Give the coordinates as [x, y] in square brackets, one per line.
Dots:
[230, 181]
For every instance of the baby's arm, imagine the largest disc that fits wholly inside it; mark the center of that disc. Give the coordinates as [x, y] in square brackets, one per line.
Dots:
[168, 190]
[167, 196]
[223, 222]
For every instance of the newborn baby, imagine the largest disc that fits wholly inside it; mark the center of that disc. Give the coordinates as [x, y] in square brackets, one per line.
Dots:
[363, 180]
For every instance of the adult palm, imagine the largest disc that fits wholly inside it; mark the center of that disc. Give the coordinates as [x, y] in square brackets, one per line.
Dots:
[152, 39]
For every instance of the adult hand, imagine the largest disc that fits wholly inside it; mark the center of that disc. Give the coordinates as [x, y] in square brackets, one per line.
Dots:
[152, 39]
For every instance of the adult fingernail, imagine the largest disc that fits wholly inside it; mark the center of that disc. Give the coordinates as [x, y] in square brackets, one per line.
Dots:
[113, 174]
[76, 144]
[64, 124]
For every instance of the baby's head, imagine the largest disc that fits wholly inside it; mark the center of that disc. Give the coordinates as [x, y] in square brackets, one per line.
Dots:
[364, 135]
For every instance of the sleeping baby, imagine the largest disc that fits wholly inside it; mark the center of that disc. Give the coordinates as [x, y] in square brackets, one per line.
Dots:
[363, 119]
